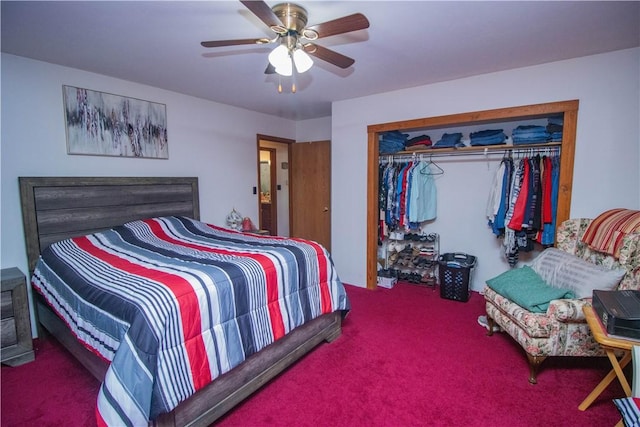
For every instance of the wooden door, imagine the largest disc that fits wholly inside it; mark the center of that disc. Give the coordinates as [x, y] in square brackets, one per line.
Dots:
[310, 186]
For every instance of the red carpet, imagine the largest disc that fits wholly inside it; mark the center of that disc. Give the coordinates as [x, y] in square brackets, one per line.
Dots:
[406, 358]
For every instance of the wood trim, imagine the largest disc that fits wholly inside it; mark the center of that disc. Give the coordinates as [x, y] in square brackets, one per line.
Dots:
[261, 137]
[567, 158]
[478, 117]
[373, 212]
[274, 139]
[568, 108]
[273, 184]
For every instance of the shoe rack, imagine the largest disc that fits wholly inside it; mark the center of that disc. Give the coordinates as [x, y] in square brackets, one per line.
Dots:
[412, 258]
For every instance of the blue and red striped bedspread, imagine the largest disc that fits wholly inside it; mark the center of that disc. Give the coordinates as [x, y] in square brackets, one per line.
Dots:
[173, 303]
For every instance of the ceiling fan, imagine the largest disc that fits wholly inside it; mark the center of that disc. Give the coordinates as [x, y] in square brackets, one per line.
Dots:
[294, 39]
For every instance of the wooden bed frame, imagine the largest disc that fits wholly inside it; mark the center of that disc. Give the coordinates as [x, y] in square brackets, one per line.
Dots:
[55, 208]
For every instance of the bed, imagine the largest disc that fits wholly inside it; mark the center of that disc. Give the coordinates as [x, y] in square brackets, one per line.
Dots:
[63, 214]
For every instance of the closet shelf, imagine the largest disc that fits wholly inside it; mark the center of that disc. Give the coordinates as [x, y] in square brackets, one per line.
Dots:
[474, 149]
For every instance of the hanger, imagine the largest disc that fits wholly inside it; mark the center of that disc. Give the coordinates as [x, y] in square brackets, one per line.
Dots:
[439, 170]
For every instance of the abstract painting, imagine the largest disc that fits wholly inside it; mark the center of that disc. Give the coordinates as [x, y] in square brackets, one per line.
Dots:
[102, 124]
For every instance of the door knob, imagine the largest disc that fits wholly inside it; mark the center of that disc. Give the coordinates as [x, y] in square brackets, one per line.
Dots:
[326, 209]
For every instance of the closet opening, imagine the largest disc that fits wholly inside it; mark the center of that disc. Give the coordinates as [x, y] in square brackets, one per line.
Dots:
[510, 118]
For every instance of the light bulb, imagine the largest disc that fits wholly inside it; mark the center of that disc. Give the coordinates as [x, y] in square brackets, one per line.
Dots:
[279, 56]
[302, 60]
[286, 69]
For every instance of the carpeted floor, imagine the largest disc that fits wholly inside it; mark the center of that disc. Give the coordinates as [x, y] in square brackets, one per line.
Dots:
[406, 358]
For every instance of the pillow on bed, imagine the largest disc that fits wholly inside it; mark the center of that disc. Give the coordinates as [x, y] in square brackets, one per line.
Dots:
[564, 270]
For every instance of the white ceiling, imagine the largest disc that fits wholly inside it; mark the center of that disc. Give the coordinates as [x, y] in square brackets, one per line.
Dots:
[409, 43]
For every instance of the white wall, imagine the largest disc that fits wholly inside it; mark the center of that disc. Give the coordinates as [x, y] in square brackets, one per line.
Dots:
[606, 161]
[313, 129]
[215, 142]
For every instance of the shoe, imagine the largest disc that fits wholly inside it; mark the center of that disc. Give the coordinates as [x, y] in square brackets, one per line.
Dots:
[428, 280]
[408, 250]
[482, 320]
[415, 278]
[427, 252]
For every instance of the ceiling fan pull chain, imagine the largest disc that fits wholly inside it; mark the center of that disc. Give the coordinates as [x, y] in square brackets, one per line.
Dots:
[293, 80]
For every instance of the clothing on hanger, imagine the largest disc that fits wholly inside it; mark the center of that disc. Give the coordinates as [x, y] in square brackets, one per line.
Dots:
[407, 194]
[522, 202]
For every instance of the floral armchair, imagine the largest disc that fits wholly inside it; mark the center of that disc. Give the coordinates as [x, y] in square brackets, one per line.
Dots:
[562, 330]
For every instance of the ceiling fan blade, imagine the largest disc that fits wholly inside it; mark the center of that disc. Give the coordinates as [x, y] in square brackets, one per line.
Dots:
[346, 24]
[328, 55]
[220, 43]
[270, 69]
[262, 11]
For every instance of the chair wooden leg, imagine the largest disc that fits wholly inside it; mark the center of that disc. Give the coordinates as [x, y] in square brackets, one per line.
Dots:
[534, 364]
[491, 323]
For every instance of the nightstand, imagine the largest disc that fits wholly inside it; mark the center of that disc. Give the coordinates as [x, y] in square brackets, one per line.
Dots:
[16, 340]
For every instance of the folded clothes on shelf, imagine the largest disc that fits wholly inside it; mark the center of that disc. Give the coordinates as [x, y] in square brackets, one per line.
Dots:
[419, 141]
[392, 142]
[488, 137]
[555, 129]
[530, 134]
[449, 140]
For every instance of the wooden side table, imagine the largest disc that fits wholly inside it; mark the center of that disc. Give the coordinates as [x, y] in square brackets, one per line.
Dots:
[17, 342]
[610, 345]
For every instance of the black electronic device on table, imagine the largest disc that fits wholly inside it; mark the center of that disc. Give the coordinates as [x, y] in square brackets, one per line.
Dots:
[619, 312]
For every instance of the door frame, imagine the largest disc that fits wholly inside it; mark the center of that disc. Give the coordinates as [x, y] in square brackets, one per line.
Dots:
[277, 140]
[273, 184]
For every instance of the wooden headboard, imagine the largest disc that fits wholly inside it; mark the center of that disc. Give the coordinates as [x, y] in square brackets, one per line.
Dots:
[57, 208]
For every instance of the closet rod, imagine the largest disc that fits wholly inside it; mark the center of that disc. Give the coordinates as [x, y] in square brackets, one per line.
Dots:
[555, 150]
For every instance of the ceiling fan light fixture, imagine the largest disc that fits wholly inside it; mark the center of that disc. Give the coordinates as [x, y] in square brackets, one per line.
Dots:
[285, 70]
[302, 60]
[280, 59]
[289, 23]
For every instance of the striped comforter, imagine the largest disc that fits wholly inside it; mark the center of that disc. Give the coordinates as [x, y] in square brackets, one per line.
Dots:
[173, 303]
